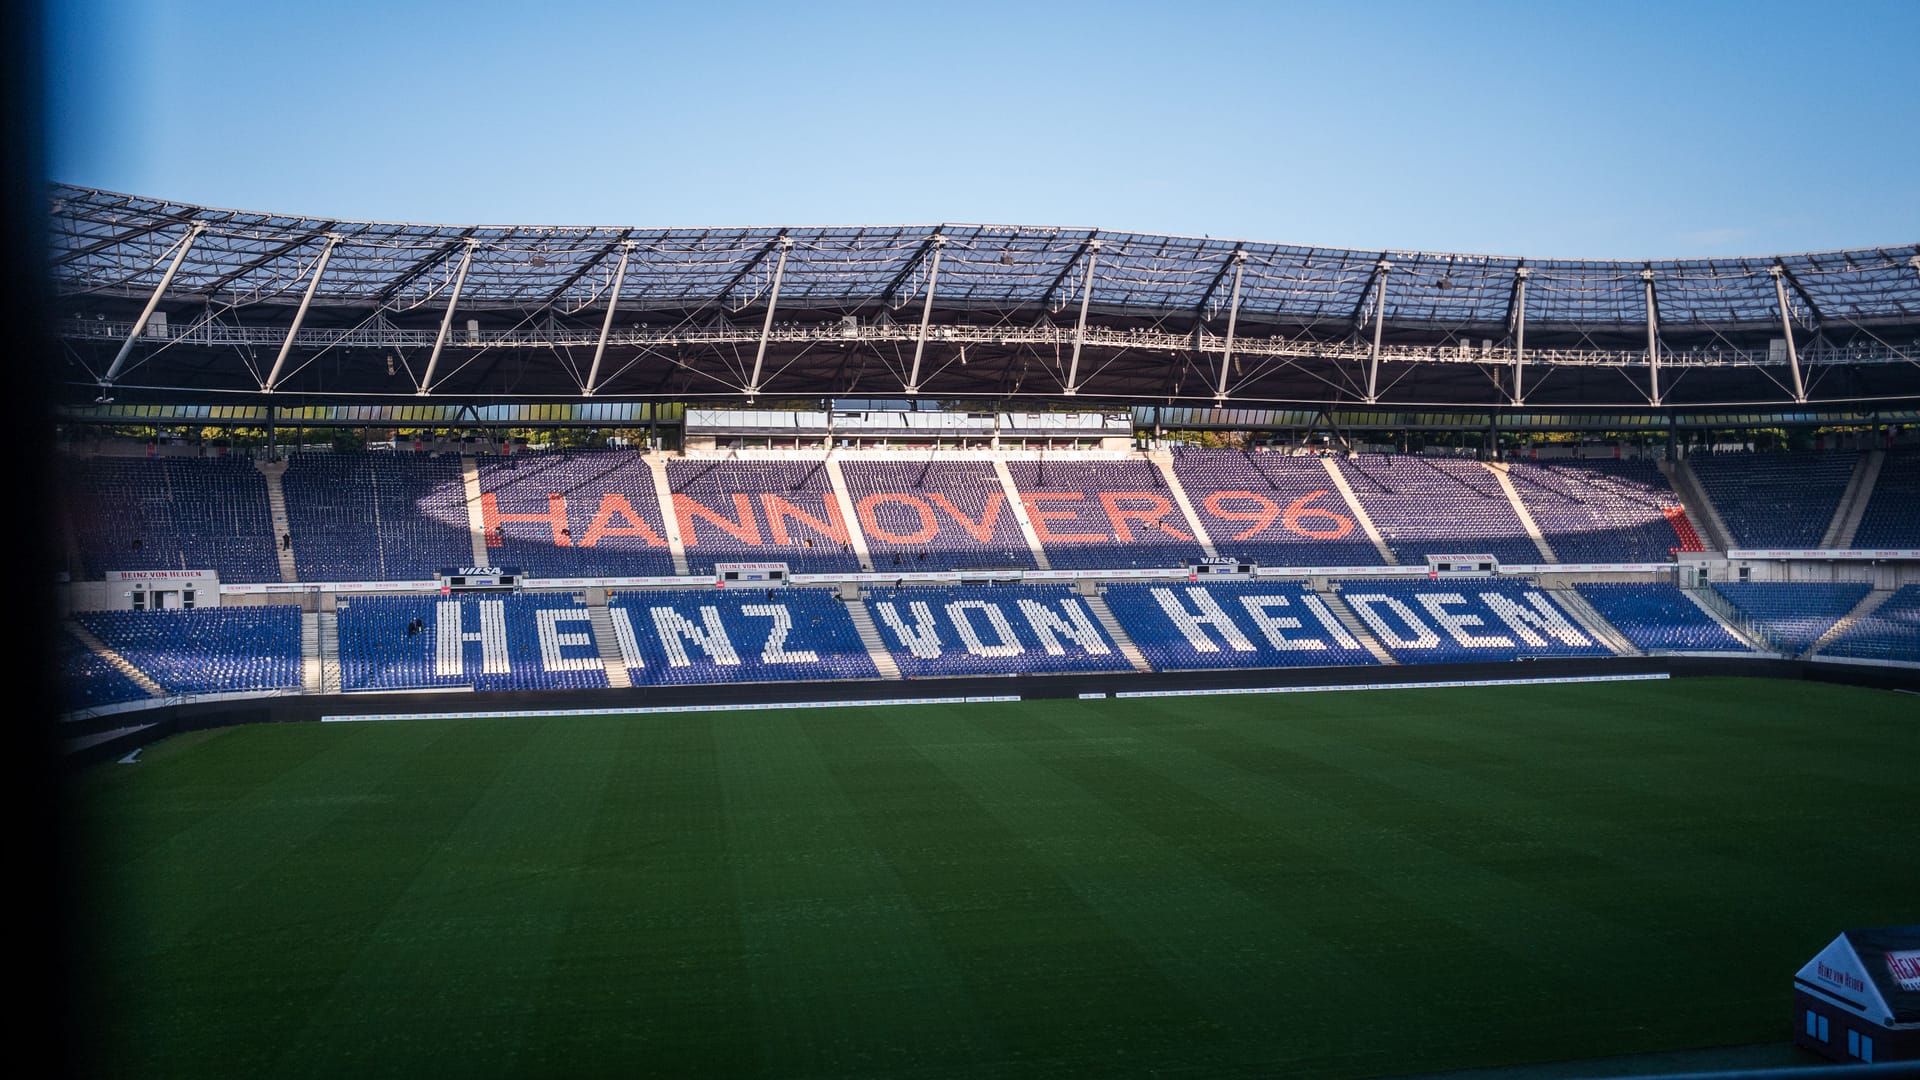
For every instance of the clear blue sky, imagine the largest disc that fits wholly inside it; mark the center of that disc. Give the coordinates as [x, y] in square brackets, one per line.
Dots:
[1616, 129]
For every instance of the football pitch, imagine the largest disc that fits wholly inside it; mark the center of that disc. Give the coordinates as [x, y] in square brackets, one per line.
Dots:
[1332, 884]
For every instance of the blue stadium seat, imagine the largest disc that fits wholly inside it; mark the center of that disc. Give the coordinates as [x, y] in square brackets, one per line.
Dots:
[376, 516]
[992, 630]
[1658, 617]
[171, 513]
[206, 650]
[514, 641]
[1602, 511]
[1892, 632]
[572, 513]
[1104, 515]
[1795, 613]
[935, 515]
[697, 636]
[760, 511]
[1775, 500]
[1276, 509]
[1892, 517]
[87, 680]
[1438, 506]
[1466, 620]
[1241, 624]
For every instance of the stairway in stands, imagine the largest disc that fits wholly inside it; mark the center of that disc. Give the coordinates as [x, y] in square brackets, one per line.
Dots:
[118, 662]
[329, 626]
[310, 652]
[1853, 502]
[1098, 605]
[1360, 630]
[1703, 518]
[870, 637]
[1867, 606]
[607, 639]
[1594, 623]
[277, 505]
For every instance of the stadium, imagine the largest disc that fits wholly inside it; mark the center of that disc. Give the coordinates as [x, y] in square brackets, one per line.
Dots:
[875, 541]
[948, 650]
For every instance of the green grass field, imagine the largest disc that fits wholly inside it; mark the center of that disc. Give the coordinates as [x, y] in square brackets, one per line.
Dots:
[1346, 884]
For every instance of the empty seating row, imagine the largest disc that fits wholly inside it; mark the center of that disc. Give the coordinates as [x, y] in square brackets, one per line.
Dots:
[1604, 511]
[992, 630]
[692, 636]
[753, 511]
[1794, 613]
[1891, 632]
[1776, 500]
[87, 680]
[1182, 627]
[1659, 617]
[376, 516]
[1438, 506]
[1892, 516]
[935, 515]
[206, 650]
[1464, 621]
[1109, 515]
[574, 514]
[170, 513]
[1276, 509]
[522, 641]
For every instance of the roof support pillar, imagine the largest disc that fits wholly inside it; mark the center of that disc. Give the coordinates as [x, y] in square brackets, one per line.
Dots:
[766, 326]
[446, 321]
[1519, 334]
[140, 324]
[1786, 331]
[1653, 340]
[1080, 328]
[1233, 320]
[926, 314]
[606, 326]
[300, 316]
[1379, 323]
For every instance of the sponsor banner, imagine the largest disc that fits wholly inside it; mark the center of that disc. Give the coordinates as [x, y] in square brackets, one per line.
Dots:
[1439, 685]
[1093, 697]
[650, 710]
[1822, 553]
[1905, 968]
[158, 575]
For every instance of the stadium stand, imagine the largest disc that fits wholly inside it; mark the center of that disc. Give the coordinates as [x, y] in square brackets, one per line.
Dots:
[519, 641]
[935, 515]
[1604, 511]
[206, 650]
[760, 511]
[1658, 617]
[1275, 509]
[692, 636]
[1241, 624]
[1775, 500]
[1438, 506]
[992, 630]
[1892, 517]
[1108, 515]
[371, 516]
[1463, 621]
[574, 514]
[171, 513]
[1794, 613]
[1891, 632]
[87, 680]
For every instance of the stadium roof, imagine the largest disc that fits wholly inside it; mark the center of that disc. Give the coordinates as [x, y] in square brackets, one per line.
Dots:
[1318, 325]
